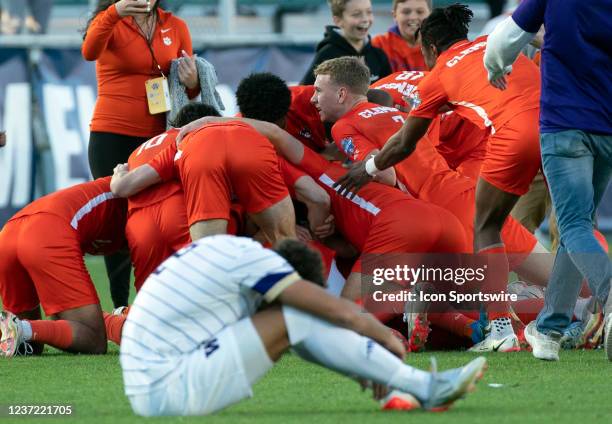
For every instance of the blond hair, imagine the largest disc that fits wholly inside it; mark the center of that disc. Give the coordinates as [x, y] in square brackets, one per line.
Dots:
[337, 7]
[349, 71]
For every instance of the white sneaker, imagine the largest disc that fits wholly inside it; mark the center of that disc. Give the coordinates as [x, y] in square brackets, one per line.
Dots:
[545, 346]
[491, 343]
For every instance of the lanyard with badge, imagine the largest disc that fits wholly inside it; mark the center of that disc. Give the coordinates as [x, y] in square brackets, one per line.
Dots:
[158, 94]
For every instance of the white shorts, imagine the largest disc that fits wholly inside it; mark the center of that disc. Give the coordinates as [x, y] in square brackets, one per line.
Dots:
[210, 378]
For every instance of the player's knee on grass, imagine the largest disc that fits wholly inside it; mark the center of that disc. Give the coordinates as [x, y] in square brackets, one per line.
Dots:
[207, 228]
[88, 331]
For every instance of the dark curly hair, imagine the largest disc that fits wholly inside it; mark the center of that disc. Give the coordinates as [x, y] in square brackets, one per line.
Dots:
[445, 26]
[191, 112]
[263, 96]
[306, 261]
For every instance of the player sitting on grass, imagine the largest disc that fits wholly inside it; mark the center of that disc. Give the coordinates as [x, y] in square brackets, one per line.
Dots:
[197, 337]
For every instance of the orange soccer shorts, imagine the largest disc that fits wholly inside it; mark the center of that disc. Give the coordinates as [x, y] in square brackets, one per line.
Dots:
[513, 157]
[244, 167]
[41, 263]
[154, 233]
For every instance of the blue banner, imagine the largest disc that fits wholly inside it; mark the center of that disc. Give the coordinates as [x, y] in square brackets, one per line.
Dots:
[17, 157]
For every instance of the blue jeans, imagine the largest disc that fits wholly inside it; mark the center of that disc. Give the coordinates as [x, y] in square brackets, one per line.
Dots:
[577, 166]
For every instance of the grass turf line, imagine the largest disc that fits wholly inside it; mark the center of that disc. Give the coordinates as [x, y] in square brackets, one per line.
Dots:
[573, 390]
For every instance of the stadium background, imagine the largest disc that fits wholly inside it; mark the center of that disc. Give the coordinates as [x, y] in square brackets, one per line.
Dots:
[48, 91]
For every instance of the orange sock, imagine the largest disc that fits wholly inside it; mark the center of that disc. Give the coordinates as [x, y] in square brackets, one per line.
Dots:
[113, 325]
[54, 333]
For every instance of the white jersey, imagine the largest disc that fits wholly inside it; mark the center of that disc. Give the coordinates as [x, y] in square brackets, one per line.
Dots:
[203, 288]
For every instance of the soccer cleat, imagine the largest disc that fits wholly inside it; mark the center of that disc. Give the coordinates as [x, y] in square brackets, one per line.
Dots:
[572, 336]
[500, 338]
[448, 386]
[509, 343]
[608, 326]
[545, 346]
[11, 334]
[415, 316]
[479, 328]
[608, 336]
[121, 311]
[399, 401]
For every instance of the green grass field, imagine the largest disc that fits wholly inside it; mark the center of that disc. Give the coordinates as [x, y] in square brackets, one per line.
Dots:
[575, 390]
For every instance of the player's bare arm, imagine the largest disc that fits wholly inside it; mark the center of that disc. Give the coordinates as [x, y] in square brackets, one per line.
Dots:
[2, 138]
[398, 147]
[318, 203]
[387, 176]
[313, 299]
[126, 183]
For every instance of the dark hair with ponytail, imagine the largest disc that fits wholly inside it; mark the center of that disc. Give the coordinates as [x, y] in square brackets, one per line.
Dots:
[103, 5]
[445, 26]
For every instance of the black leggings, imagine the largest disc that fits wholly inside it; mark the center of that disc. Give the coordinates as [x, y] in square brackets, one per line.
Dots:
[107, 150]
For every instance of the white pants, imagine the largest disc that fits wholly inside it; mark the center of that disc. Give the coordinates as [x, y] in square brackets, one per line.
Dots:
[210, 378]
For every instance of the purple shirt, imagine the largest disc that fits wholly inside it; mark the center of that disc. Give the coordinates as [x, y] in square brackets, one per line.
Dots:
[576, 62]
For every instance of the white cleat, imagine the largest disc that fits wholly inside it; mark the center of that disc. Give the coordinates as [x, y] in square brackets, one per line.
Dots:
[544, 346]
[508, 343]
[11, 334]
[608, 337]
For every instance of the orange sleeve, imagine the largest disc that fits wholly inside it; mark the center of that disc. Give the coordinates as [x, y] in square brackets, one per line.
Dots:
[163, 163]
[351, 142]
[99, 32]
[428, 97]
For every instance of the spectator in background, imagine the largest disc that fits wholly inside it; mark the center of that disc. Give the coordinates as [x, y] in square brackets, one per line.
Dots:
[33, 15]
[349, 37]
[576, 146]
[132, 41]
[496, 7]
[400, 43]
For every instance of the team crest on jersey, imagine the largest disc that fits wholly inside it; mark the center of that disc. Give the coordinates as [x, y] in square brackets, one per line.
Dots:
[305, 132]
[414, 99]
[348, 147]
[167, 41]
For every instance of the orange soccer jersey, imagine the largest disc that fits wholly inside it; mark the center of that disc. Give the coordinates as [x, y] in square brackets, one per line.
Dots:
[157, 219]
[460, 81]
[219, 162]
[374, 221]
[303, 121]
[42, 247]
[424, 173]
[461, 143]
[402, 57]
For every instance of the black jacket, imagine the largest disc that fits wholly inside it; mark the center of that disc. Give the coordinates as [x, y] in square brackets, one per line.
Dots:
[335, 45]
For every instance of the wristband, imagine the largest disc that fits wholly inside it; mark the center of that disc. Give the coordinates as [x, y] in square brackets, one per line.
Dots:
[370, 167]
